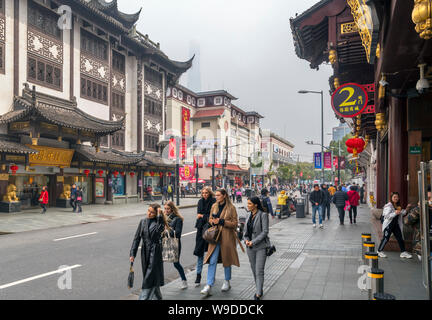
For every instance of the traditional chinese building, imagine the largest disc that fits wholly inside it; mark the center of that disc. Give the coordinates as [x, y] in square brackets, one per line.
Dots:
[83, 101]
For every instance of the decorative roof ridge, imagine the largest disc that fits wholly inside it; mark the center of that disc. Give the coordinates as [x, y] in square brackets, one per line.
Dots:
[316, 6]
[216, 92]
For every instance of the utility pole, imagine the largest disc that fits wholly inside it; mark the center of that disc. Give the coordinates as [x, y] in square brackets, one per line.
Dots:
[196, 169]
[225, 164]
[339, 155]
[213, 166]
[177, 176]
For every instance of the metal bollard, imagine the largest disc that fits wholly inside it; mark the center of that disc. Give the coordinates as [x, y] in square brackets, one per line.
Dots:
[384, 296]
[377, 282]
[365, 237]
[368, 246]
[372, 262]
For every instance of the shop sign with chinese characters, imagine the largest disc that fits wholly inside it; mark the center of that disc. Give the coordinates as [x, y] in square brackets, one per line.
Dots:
[349, 100]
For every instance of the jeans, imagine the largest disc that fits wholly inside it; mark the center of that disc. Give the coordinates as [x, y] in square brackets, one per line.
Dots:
[326, 209]
[314, 210]
[180, 270]
[212, 267]
[151, 294]
[78, 205]
[200, 263]
[341, 214]
[73, 204]
[351, 210]
[43, 206]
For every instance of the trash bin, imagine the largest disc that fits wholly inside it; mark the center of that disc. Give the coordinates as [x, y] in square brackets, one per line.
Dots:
[300, 208]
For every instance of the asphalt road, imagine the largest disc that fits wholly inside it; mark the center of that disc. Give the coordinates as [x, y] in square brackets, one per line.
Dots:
[97, 253]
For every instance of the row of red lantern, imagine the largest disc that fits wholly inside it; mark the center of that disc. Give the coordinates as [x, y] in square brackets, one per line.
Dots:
[355, 146]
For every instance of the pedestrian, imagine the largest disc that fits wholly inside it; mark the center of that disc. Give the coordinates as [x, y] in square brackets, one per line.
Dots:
[266, 202]
[43, 199]
[392, 223]
[78, 201]
[317, 198]
[233, 193]
[203, 214]
[164, 194]
[73, 197]
[183, 191]
[326, 202]
[332, 190]
[339, 199]
[344, 188]
[175, 222]
[223, 214]
[353, 198]
[362, 194]
[150, 192]
[150, 232]
[256, 240]
[170, 192]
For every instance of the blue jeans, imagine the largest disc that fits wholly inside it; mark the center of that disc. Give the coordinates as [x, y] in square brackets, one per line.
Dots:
[180, 270]
[200, 263]
[314, 210]
[212, 267]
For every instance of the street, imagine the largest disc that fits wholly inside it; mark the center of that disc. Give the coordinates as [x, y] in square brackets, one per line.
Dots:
[99, 252]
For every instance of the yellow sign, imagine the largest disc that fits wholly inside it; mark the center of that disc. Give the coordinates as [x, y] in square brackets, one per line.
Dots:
[51, 157]
[15, 158]
[60, 178]
[4, 177]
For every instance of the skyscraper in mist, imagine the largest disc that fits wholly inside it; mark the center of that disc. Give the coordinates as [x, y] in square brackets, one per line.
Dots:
[194, 73]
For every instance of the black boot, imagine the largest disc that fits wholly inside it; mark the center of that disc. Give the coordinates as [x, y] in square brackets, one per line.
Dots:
[198, 280]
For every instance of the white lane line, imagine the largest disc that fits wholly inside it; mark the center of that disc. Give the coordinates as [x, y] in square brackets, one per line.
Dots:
[78, 236]
[188, 234]
[38, 277]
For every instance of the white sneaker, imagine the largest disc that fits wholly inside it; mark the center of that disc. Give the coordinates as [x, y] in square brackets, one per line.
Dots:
[226, 286]
[381, 254]
[206, 291]
[314, 225]
[184, 285]
[321, 226]
[419, 257]
[405, 255]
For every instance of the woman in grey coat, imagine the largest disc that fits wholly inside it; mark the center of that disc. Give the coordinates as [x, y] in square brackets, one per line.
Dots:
[256, 240]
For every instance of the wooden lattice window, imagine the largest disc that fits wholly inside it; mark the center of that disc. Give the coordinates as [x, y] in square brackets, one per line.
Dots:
[44, 73]
[92, 90]
[44, 20]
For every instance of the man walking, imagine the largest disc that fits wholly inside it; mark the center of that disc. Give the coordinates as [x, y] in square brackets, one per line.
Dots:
[317, 199]
[164, 194]
[326, 202]
[170, 192]
[73, 197]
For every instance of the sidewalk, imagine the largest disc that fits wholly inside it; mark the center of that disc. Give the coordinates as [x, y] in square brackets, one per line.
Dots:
[311, 264]
[29, 220]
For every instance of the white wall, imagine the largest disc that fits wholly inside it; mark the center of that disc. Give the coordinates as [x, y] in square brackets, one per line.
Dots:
[131, 104]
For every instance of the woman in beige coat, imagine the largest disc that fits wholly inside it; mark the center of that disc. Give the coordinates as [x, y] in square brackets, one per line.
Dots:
[223, 214]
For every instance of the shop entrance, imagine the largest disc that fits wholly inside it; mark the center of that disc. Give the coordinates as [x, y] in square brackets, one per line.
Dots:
[29, 188]
[85, 184]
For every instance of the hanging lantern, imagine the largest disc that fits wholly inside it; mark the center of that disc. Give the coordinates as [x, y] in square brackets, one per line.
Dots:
[115, 173]
[132, 174]
[123, 173]
[14, 168]
[87, 172]
[152, 173]
[169, 174]
[100, 173]
[161, 174]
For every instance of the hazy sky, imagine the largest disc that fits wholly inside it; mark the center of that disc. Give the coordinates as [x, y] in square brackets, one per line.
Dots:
[247, 49]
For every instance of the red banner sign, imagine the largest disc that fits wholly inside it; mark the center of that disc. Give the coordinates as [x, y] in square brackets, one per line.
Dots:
[187, 173]
[185, 131]
[327, 160]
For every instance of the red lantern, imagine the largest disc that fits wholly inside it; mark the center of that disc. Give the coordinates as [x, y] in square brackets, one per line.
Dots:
[123, 173]
[350, 143]
[14, 169]
[161, 174]
[115, 173]
[132, 174]
[87, 172]
[152, 173]
[100, 172]
[169, 174]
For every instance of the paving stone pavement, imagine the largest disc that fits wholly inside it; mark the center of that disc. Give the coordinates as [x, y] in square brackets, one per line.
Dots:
[29, 220]
[310, 264]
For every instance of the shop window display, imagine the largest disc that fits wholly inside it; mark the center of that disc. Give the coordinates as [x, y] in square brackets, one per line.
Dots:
[28, 189]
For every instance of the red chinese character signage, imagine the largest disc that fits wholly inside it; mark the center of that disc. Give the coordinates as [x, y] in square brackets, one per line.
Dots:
[185, 131]
[172, 149]
[349, 100]
[187, 173]
[327, 160]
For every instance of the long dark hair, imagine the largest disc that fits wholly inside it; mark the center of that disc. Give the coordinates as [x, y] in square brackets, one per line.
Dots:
[395, 205]
[257, 202]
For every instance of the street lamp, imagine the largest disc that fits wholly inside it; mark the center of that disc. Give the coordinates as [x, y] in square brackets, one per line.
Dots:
[322, 126]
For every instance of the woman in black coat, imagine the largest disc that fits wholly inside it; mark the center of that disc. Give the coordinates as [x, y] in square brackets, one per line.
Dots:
[339, 199]
[175, 222]
[150, 231]
[204, 207]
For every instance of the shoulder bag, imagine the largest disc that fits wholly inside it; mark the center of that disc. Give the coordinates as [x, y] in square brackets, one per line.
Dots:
[170, 248]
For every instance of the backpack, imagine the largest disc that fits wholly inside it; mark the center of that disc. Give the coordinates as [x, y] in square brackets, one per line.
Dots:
[169, 189]
[264, 204]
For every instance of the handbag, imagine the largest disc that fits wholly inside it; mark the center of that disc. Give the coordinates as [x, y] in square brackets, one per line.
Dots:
[79, 198]
[131, 277]
[170, 248]
[211, 235]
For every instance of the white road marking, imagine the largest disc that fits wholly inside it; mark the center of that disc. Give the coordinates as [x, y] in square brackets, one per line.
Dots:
[38, 277]
[298, 262]
[78, 236]
[188, 234]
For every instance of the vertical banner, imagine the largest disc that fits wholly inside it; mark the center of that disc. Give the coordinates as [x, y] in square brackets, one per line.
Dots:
[172, 149]
[335, 162]
[327, 160]
[317, 160]
[185, 131]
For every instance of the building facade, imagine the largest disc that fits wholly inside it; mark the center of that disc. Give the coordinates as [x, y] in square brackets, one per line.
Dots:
[87, 92]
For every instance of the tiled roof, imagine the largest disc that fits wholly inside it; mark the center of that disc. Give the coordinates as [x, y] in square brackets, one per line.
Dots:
[230, 167]
[154, 159]
[15, 147]
[209, 113]
[108, 156]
